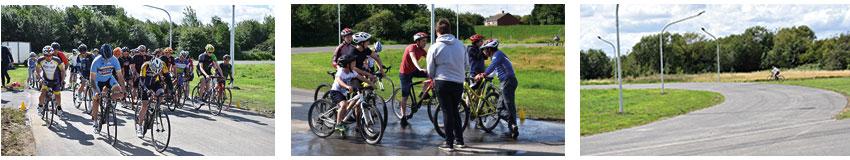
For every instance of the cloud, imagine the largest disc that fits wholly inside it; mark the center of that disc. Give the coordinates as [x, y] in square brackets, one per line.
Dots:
[204, 13]
[637, 21]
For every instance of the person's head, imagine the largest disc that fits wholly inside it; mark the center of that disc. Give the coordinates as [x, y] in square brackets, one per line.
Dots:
[32, 55]
[168, 51]
[55, 46]
[142, 49]
[443, 27]
[476, 39]
[47, 51]
[490, 47]
[125, 52]
[420, 39]
[209, 49]
[184, 54]
[157, 52]
[226, 59]
[156, 65]
[346, 61]
[106, 51]
[346, 34]
[116, 52]
[361, 39]
[83, 48]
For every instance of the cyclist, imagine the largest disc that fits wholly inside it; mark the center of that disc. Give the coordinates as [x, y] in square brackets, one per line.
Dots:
[72, 60]
[84, 61]
[57, 48]
[410, 68]
[502, 65]
[152, 74]
[344, 82]
[476, 58]
[206, 62]
[125, 61]
[51, 68]
[168, 67]
[136, 64]
[775, 73]
[345, 47]
[102, 77]
[362, 52]
[183, 69]
[226, 69]
[31, 63]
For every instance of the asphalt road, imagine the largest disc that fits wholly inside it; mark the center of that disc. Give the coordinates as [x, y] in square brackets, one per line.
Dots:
[536, 138]
[755, 120]
[194, 133]
[297, 50]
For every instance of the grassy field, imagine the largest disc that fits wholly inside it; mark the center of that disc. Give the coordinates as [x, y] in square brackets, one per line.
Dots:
[522, 33]
[539, 70]
[17, 136]
[756, 76]
[256, 83]
[599, 107]
[840, 85]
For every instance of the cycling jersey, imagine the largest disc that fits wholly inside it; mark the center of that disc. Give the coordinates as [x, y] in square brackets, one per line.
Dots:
[50, 68]
[167, 61]
[62, 57]
[207, 60]
[361, 57]
[84, 62]
[103, 69]
[182, 66]
[226, 70]
[145, 72]
[138, 60]
[125, 63]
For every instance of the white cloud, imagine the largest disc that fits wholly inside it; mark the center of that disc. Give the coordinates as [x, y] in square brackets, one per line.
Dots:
[637, 21]
[488, 10]
[204, 13]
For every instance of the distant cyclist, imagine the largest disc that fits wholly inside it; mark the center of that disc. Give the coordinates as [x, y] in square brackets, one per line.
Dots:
[102, 78]
[775, 72]
[51, 69]
[345, 47]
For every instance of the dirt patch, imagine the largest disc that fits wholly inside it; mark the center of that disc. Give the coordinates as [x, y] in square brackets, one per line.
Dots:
[17, 135]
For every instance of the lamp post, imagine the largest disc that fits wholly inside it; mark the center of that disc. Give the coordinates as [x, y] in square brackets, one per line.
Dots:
[716, 43]
[170, 23]
[661, 44]
[619, 80]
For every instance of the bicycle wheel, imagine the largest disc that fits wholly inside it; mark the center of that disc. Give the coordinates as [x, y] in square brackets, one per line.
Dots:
[51, 111]
[397, 110]
[111, 124]
[195, 98]
[177, 99]
[160, 127]
[488, 115]
[228, 98]
[87, 100]
[217, 102]
[321, 118]
[372, 122]
[439, 123]
[320, 91]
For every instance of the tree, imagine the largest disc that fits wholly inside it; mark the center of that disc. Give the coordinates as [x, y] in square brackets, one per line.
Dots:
[190, 18]
[789, 44]
[547, 14]
[380, 25]
[595, 64]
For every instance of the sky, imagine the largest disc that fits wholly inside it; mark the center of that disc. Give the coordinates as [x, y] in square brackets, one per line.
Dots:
[204, 12]
[637, 21]
[488, 10]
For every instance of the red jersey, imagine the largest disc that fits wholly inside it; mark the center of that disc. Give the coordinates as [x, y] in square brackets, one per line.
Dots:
[407, 65]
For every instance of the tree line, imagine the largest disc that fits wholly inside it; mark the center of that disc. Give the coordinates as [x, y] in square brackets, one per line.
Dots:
[316, 25]
[756, 49]
[98, 24]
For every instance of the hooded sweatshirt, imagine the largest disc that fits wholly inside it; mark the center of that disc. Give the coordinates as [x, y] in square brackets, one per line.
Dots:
[447, 60]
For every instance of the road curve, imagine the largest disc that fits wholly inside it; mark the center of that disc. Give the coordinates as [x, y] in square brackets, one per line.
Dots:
[755, 119]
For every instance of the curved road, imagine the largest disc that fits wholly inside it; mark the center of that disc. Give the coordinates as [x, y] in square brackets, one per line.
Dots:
[536, 138]
[756, 119]
[193, 133]
[298, 50]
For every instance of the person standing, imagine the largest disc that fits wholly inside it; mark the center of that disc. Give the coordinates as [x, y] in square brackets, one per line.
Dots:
[447, 63]
[7, 64]
[502, 66]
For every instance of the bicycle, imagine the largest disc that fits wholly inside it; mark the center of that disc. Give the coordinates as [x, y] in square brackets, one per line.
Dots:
[83, 99]
[48, 111]
[416, 102]
[217, 93]
[181, 93]
[156, 121]
[322, 116]
[380, 83]
[107, 115]
[484, 100]
[775, 78]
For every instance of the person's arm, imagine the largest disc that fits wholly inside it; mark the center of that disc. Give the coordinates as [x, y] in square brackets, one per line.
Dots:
[429, 62]
[378, 59]
[336, 55]
[497, 60]
[414, 60]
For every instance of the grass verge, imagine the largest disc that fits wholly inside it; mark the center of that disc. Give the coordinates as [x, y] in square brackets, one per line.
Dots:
[840, 85]
[539, 70]
[522, 33]
[599, 107]
[756, 76]
[17, 136]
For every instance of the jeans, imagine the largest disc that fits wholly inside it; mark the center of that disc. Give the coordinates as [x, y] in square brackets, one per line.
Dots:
[6, 78]
[449, 96]
[507, 100]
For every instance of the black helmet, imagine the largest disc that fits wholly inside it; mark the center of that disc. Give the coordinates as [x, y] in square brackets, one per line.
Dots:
[345, 59]
[83, 48]
[55, 45]
[106, 51]
[125, 49]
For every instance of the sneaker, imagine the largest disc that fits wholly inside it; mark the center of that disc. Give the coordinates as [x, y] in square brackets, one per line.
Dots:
[96, 127]
[59, 111]
[459, 145]
[446, 147]
[139, 132]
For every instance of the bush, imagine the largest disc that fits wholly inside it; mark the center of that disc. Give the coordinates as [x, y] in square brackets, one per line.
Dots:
[255, 54]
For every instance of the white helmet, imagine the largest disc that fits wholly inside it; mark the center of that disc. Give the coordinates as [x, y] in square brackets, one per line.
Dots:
[361, 37]
[492, 43]
[156, 65]
[32, 54]
[420, 35]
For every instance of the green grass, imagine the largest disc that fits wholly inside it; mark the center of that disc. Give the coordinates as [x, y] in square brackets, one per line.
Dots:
[256, 83]
[599, 107]
[522, 33]
[540, 72]
[840, 85]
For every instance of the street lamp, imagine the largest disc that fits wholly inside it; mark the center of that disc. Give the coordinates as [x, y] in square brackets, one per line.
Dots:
[170, 23]
[661, 44]
[716, 43]
[619, 80]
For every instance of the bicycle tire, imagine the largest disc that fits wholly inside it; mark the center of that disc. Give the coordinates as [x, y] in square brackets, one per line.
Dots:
[488, 115]
[218, 99]
[464, 118]
[159, 118]
[111, 124]
[373, 114]
[313, 119]
[195, 98]
[397, 110]
[51, 111]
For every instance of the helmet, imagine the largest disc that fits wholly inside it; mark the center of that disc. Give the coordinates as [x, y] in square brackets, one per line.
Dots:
[105, 51]
[125, 49]
[476, 38]
[210, 48]
[55, 45]
[134, 50]
[83, 48]
[184, 53]
[47, 50]
[32, 54]
[168, 50]
[226, 57]
[155, 65]
[378, 46]
[420, 35]
[361, 37]
[116, 52]
[492, 43]
[345, 32]
[142, 48]
[345, 59]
